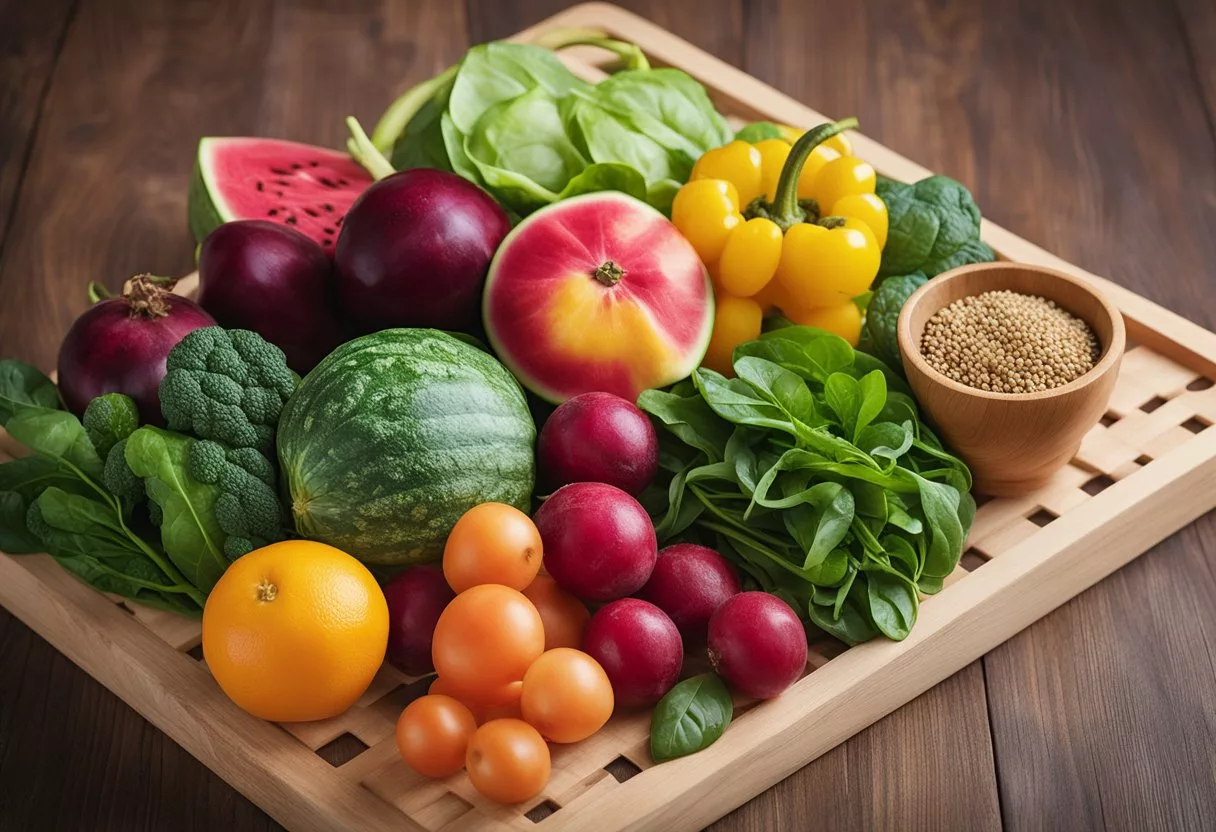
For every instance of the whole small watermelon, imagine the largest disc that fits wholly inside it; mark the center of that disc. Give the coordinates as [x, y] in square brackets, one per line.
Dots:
[396, 434]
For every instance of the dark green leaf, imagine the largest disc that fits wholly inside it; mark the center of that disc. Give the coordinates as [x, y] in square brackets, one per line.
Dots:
[690, 717]
[57, 434]
[15, 536]
[22, 385]
[690, 419]
[883, 315]
[893, 601]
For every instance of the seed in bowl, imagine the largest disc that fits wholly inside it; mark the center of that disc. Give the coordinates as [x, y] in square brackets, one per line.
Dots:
[1007, 342]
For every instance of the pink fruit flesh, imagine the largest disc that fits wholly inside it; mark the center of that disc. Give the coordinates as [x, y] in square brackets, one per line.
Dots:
[599, 292]
[599, 542]
[415, 598]
[273, 280]
[414, 251]
[303, 187]
[120, 345]
[639, 648]
[757, 644]
[598, 437]
[689, 583]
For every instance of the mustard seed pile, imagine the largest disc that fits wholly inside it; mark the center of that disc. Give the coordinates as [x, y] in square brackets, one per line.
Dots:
[1007, 342]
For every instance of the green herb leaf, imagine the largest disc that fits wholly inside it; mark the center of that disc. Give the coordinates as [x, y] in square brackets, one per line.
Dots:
[22, 385]
[893, 601]
[690, 717]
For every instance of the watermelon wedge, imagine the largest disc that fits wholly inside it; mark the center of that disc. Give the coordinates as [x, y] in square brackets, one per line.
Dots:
[307, 188]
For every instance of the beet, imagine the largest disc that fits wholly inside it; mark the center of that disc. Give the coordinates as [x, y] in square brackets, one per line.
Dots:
[414, 251]
[599, 542]
[119, 345]
[689, 583]
[757, 644]
[271, 279]
[415, 598]
[598, 437]
[639, 648]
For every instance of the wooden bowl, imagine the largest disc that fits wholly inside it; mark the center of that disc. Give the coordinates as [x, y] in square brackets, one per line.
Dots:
[1013, 442]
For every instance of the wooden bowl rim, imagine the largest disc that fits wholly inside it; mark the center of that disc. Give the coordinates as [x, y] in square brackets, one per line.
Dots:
[1110, 356]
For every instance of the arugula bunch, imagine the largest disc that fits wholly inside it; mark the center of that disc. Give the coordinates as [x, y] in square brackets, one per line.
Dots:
[812, 471]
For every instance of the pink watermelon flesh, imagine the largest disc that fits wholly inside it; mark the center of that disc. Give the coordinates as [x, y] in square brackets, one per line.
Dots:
[306, 188]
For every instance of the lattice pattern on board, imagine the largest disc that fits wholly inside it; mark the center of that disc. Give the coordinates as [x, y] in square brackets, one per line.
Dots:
[1158, 406]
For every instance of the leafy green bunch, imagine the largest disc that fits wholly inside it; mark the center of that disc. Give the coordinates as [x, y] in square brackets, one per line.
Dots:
[811, 470]
[514, 120]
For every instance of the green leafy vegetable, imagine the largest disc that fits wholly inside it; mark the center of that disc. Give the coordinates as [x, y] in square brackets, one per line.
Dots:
[929, 222]
[246, 508]
[882, 317]
[812, 471]
[24, 386]
[690, 717]
[759, 131]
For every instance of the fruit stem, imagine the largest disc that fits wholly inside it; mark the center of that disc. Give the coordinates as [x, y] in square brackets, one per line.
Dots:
[146, 296]
[98, 293]
[630, 54]
[785, 210]
[395, 119]
[608, 273]
[267, 591]
[364, 152]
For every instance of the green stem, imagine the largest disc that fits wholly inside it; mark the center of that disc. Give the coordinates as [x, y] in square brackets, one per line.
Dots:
[785, 209]
[98, 293]
[366, 153]
[557, 39]
[393, 123]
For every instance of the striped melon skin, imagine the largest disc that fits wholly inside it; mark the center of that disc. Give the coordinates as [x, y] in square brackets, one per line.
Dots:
[392, 437]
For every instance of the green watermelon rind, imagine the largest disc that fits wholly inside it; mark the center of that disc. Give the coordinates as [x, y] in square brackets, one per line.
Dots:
[395, 435]
[202, 205]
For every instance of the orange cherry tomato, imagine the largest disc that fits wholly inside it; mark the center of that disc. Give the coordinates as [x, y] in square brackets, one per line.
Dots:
[496, 704]
[486, 638]
[567, 695]
[492, 543]
[508, 761]
[433, 734]
[564, 616]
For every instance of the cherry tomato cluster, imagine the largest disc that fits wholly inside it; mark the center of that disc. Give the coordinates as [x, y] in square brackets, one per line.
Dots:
[510, 678]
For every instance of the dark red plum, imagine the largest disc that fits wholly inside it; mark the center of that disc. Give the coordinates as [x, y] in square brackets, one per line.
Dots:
[598, 437]
[689, 583]
[415, 599]
[757, 644]
[414, 251]
[271, 279]
[119, 345]
[599, 542]
[639, 648]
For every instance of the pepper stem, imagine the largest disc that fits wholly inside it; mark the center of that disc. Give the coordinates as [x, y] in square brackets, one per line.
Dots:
[785, 210]
[608, 273]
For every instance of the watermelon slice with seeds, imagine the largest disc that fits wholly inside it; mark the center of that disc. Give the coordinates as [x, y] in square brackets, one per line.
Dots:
[304, 187]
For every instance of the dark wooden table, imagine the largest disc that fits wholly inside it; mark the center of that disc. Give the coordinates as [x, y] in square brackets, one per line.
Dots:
[1086, 126]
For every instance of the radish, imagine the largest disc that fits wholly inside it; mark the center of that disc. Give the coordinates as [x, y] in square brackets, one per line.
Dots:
[757, 644]
[599, 542]
[689, 582]
[415, 598]
[639, 648]
[598, 437]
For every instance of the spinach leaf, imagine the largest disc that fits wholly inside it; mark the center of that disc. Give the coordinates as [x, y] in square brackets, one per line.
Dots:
[690, 419]
[893, 601]
[780, 386]
[56, 434]
[972, 251]
[929, 222]
[850, 620]
[883, 316]
[823, 352]
[691, 716]
[668, 106]
[737, 401]
[21, 386]
[15, 536]
[500, 71]
[189, 531]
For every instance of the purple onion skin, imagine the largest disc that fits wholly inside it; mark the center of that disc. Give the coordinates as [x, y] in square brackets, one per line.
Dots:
[414, 252]
[273, 280]
[113, 348]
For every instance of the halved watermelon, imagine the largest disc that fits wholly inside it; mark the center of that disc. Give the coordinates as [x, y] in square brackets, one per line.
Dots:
[307, 188]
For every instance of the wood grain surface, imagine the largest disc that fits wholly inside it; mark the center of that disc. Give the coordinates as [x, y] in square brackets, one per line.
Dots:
[1086, 126]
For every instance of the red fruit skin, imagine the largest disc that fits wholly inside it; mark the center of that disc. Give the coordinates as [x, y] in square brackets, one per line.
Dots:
[415, 598]
[757, 644]
[111, 349]
[639, 648]
[273, 280]
[599, 542]
[414, 252]
[689, 583]
[598, 437]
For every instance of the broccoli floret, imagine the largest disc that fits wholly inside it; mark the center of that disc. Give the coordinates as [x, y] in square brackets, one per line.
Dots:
[247, 508]
[109, 419]
[118, 477]
[228, 386]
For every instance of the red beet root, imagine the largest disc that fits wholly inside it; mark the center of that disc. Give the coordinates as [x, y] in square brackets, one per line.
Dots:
[757, 644]
[271, 279]
[119, 345]
[415, 598]
[689, 583]
[598, 437]
[599, 542]
[414, 251]
[639, 648]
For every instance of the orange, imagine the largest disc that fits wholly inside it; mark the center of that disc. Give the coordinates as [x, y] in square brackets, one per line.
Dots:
[295, 631]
